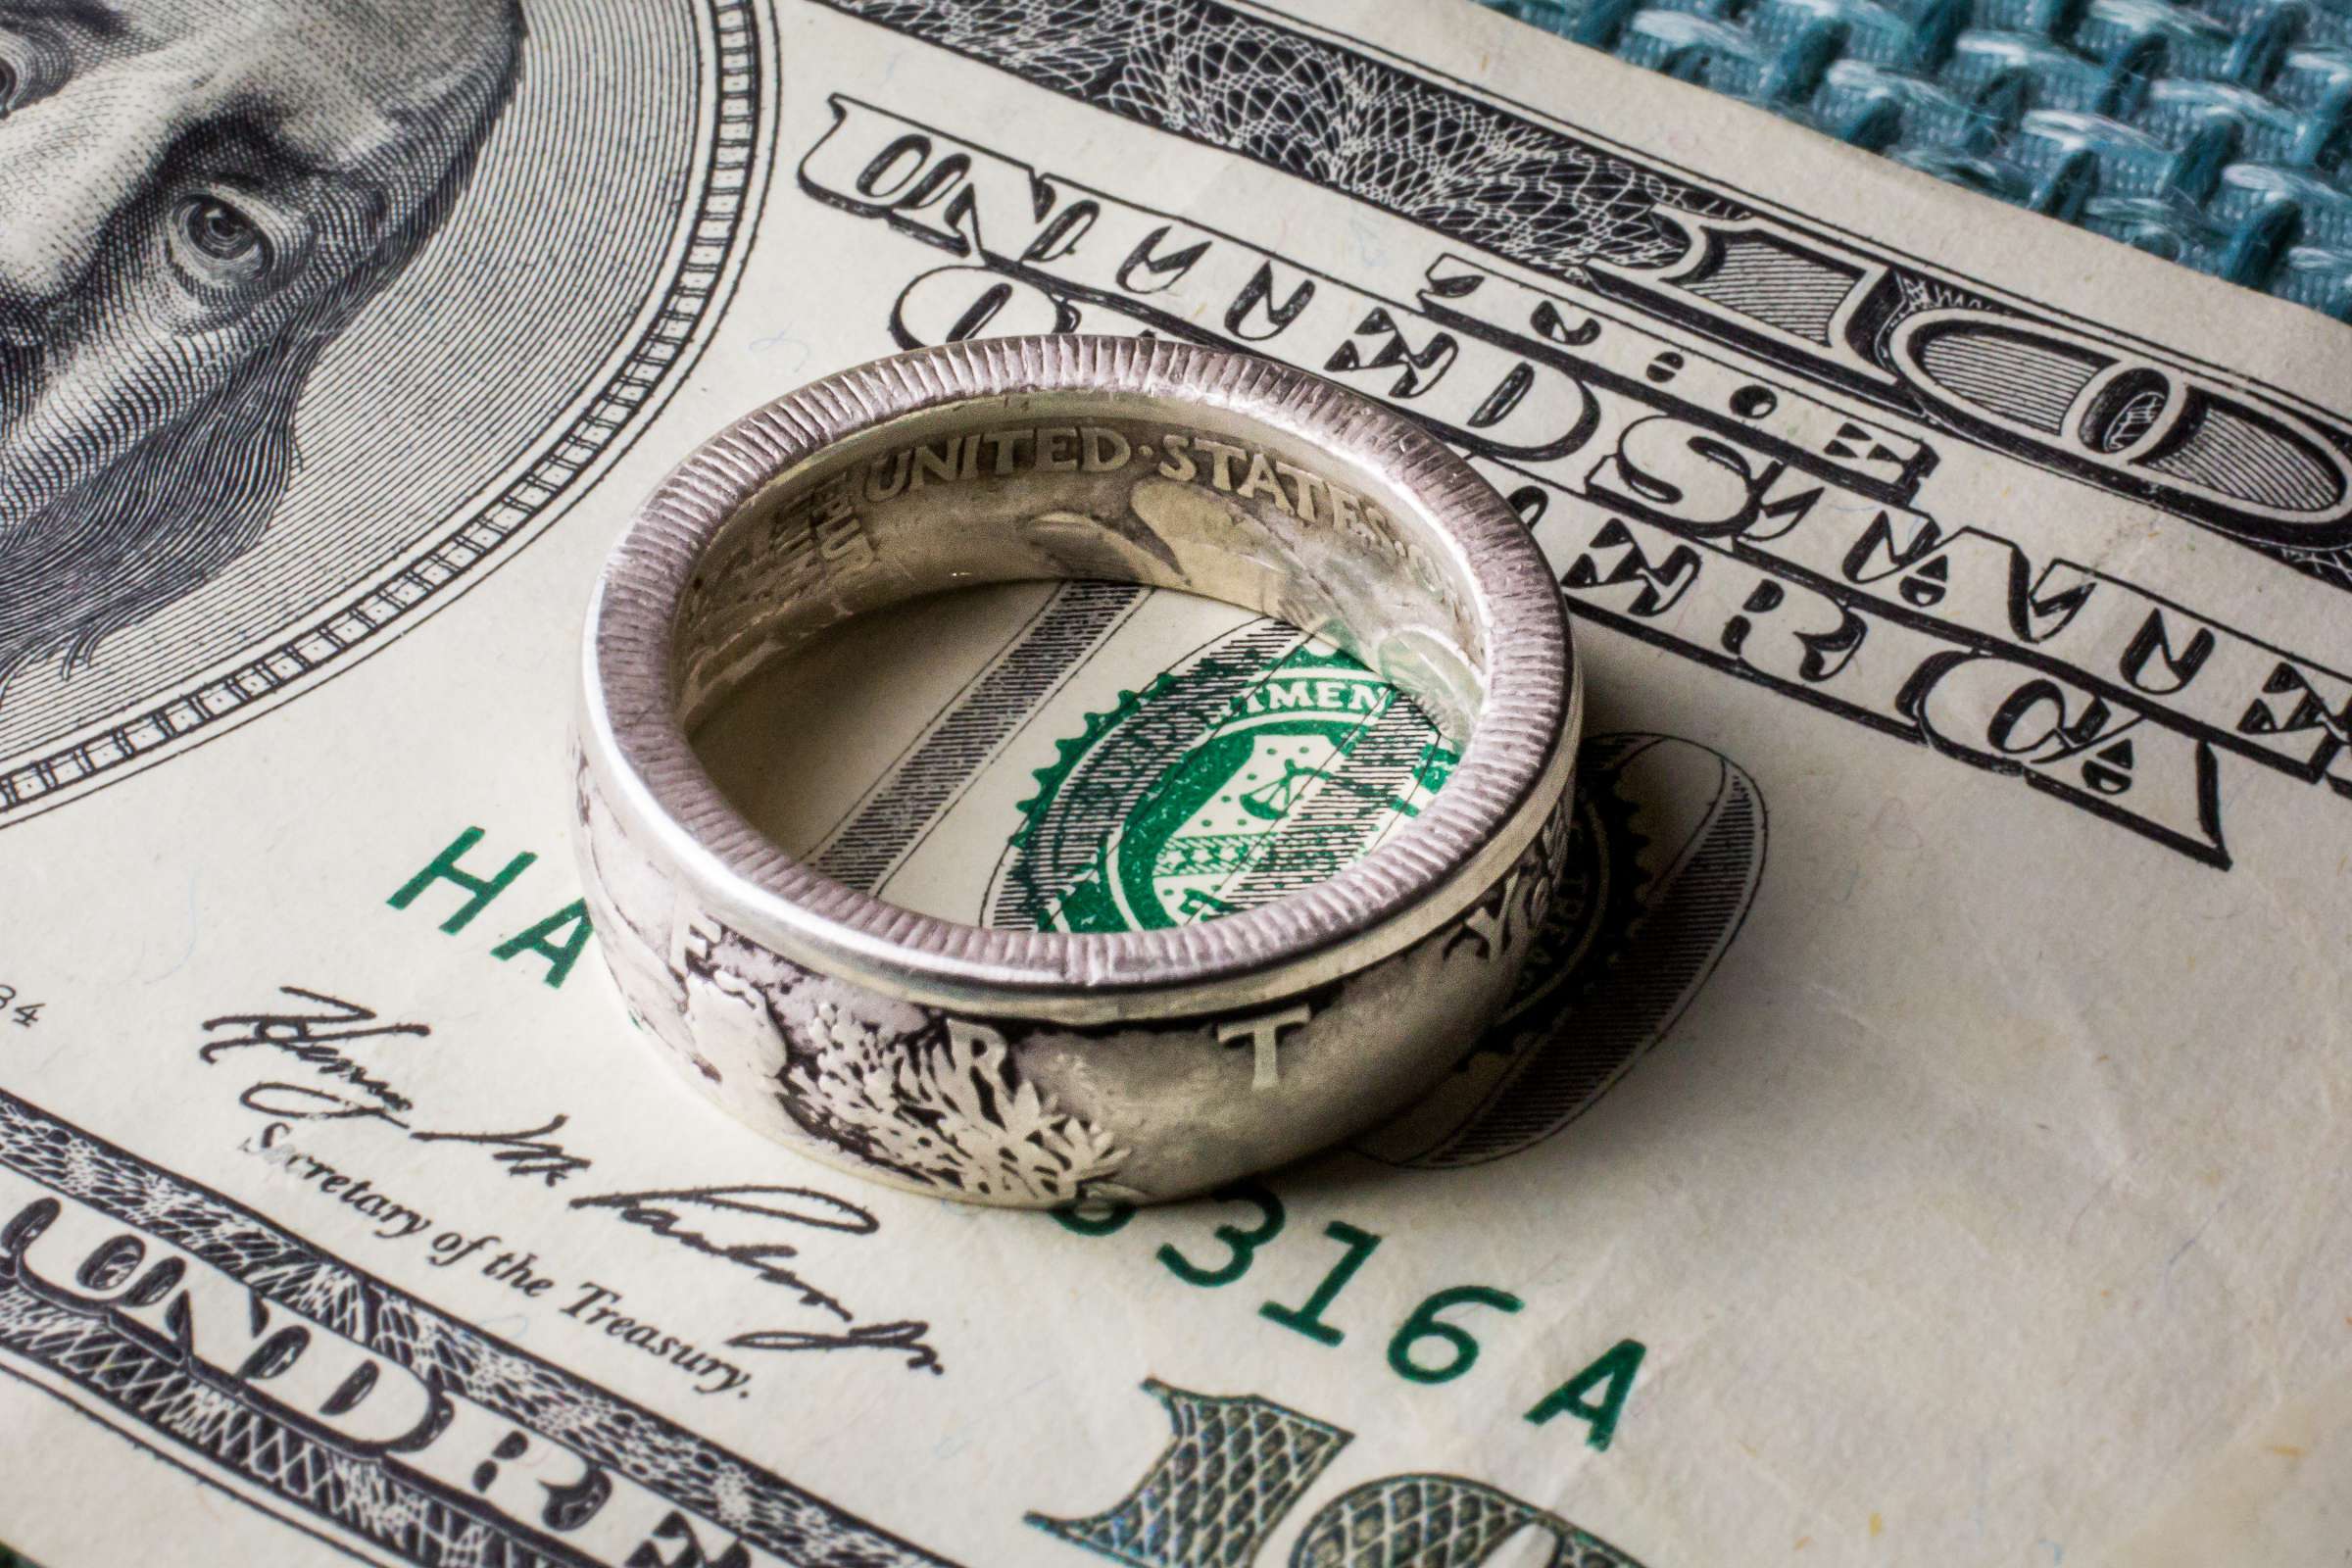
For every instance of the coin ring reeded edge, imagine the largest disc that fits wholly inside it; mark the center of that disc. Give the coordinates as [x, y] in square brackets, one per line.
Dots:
[1043, 1068]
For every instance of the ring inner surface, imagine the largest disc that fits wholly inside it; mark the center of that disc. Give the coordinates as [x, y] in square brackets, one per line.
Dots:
[1088, 486]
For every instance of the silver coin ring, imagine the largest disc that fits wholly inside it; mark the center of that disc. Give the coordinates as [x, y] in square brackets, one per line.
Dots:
[1041, 1068]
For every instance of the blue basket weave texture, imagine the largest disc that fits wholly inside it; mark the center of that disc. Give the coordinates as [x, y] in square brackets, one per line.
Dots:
[2216, 135]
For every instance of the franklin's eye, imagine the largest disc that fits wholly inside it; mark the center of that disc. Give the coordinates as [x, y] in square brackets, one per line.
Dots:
[33, 64]
[222, 242]
[221, 233]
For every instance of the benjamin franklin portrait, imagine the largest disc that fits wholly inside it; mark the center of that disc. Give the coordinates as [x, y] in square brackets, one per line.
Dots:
[196, 196]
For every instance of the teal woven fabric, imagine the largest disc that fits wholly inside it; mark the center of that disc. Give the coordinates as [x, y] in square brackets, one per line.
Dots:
[2214, 136]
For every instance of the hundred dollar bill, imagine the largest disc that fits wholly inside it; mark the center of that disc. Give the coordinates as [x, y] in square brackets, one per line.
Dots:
[1915, 1139]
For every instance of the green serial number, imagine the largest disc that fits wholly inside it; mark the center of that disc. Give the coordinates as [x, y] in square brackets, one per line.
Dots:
[1427, 1348]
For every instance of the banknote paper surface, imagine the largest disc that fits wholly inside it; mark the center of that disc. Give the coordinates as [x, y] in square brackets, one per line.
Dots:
[1916, 1138]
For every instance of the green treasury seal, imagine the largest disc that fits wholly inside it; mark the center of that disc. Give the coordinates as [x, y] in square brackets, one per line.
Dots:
[1256, 766]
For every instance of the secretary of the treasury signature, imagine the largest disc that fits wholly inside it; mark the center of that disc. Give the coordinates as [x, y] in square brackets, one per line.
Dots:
[758, 1228]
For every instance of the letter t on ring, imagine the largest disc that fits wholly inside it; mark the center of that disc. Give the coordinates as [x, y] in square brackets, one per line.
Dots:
[1266, 1034]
